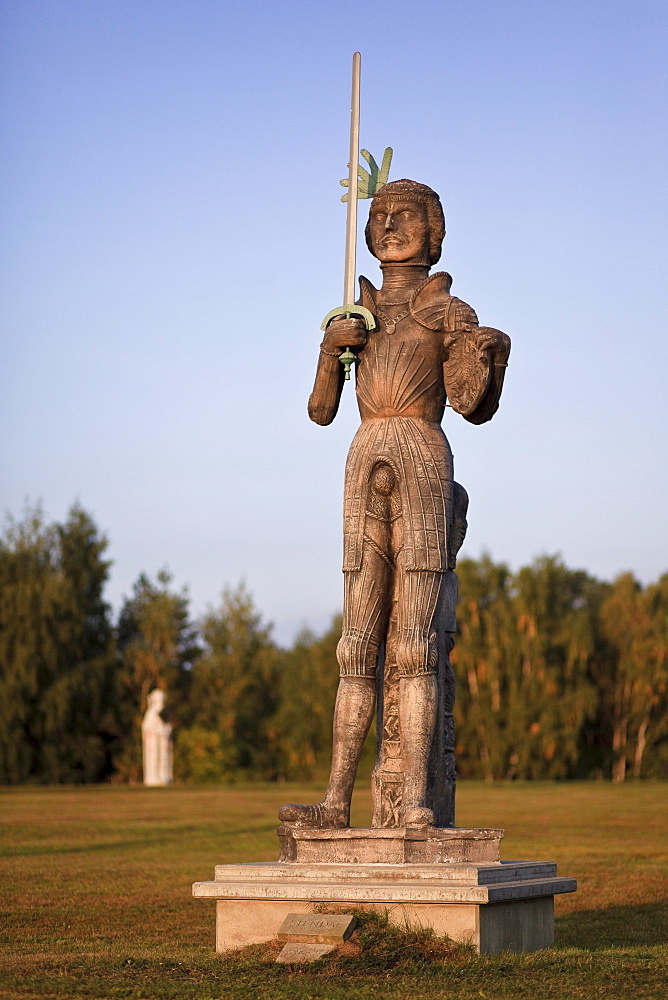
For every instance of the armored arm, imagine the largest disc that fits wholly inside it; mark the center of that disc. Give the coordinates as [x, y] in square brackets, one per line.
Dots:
[329, 377]
[324, 401]
[475, 363]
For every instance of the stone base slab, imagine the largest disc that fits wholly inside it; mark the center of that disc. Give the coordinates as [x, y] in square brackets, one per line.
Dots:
[494, 907]
[520, 925]
[458, 873]
[388, 845]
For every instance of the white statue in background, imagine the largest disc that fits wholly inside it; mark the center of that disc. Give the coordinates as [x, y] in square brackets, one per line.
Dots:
[156, 742]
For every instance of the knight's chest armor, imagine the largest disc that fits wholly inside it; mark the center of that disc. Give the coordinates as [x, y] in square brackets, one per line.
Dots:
[400, 370]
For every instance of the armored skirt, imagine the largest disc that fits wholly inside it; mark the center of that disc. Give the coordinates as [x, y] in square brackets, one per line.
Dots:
[419, 454]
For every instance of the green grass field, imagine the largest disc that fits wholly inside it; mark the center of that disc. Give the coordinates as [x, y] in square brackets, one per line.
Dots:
[95, 891]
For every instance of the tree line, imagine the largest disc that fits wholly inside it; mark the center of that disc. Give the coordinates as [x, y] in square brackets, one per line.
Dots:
[559, 675]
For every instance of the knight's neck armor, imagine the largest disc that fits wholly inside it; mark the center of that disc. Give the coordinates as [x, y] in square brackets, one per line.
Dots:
[400, 281]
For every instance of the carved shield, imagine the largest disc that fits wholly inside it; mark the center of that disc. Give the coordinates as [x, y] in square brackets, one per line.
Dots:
[467, 371]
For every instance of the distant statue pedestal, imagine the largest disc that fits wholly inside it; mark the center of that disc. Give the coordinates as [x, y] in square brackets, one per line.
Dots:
[156, 742]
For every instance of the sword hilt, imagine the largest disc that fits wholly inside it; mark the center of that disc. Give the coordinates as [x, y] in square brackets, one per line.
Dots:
[347, 358]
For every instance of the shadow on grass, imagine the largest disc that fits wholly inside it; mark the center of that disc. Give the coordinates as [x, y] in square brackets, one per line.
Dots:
[161, 837]
[614, 927]
[39, 850]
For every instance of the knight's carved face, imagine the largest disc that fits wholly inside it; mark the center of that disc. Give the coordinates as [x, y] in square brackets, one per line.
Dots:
[399, 231]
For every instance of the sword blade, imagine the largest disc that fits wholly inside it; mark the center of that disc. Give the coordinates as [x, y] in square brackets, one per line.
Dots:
[351, 217]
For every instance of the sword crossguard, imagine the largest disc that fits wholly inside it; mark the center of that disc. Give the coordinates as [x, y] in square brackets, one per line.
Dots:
[347, 359]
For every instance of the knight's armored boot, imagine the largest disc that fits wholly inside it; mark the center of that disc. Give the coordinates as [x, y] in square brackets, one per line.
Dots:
[352, 718]
[417, 816]
[321, 816]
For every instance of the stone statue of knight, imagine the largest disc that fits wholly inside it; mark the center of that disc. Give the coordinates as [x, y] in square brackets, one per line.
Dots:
[404, 514]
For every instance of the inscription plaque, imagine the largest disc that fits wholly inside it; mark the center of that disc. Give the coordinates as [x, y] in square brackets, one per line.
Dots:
[317, 928]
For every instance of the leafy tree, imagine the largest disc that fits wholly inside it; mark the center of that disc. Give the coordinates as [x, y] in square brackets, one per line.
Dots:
[309, 682]
[552, 694]
[524, 648]
[234, 692]
[651, 727]
[204, 756]
[633, 674]
[485, 626]
[27, 654]
[56, 651]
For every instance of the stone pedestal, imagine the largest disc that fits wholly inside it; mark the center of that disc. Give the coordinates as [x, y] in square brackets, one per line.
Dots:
[390, 846]
[492, 905]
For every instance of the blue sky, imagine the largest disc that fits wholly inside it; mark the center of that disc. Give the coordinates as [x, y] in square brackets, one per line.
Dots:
[172, 236]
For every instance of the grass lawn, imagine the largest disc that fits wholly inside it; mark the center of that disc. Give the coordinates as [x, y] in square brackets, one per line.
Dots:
[95, 894]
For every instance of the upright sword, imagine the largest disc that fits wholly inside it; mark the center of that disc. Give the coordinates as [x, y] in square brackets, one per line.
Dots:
[361, 183]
